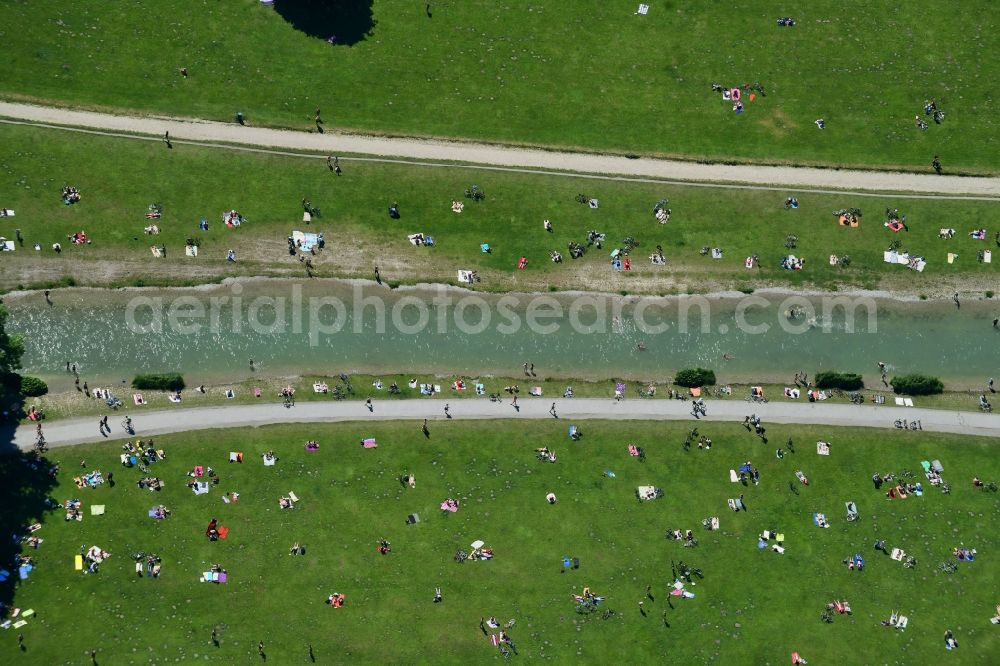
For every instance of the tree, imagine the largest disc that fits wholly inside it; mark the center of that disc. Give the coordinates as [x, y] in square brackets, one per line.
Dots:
[691, 377]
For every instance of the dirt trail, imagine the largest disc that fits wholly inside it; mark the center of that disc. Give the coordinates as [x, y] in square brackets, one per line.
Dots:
[183, 129]
[75, 431]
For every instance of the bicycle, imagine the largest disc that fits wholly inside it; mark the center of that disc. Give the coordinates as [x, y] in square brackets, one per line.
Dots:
[128, 427]
[40, 445]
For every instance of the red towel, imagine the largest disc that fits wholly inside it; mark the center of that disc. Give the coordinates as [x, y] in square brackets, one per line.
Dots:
[223, 532]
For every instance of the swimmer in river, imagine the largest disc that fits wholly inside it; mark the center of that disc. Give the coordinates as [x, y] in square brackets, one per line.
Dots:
[641, 346]
[727, 357]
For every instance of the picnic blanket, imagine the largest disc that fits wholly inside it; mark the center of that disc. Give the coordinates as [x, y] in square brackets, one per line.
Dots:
[200, 488]
[215, 577]
[823, 448]
[369, 443]
[270, 461]
[819, 519]
[733, 476]
[648, 492]
[97, 509]
[305, 241]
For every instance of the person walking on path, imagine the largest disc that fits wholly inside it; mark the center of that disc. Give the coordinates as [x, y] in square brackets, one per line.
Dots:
[447, 414]
[369, 405]
[166, 139]
[513, 403]
[552, 411]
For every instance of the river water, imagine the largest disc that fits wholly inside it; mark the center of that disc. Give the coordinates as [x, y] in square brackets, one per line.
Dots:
[325, 327]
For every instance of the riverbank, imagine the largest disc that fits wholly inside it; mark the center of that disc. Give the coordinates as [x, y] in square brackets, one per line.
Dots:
[193, 183]
[67, 403]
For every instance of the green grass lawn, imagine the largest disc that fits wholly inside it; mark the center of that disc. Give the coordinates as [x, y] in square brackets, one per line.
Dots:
[557, 73]
[752, 606]
[119, 178]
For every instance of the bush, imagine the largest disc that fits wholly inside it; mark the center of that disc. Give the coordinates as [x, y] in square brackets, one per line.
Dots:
[917, 384]
[692, 377]
[847, 381]
[166, 381]
[32, 387]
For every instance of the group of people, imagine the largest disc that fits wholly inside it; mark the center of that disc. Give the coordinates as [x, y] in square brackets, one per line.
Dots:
[70, 195]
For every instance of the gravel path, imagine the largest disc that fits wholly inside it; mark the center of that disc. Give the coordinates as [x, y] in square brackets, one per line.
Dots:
[769, 177]
[77, 431]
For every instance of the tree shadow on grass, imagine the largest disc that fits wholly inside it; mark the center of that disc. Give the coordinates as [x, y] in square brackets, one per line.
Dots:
[26, 479]
[341, 21]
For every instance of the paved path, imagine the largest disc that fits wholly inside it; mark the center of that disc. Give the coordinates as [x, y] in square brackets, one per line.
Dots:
[76, 431]
[768, 177]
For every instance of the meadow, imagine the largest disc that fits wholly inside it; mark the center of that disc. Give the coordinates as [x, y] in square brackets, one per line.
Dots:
[750, 605]
[595, 77]
[119, 179]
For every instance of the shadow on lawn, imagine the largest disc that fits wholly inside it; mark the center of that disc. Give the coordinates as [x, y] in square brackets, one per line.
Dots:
[26, 480]
[340, 21]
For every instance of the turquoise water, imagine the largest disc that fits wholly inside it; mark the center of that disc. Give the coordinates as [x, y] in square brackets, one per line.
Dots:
[326, 327]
